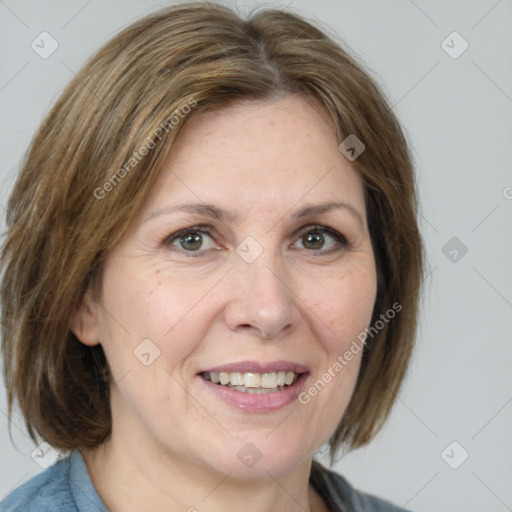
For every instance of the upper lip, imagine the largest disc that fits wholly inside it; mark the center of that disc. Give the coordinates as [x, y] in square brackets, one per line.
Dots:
[257, 367]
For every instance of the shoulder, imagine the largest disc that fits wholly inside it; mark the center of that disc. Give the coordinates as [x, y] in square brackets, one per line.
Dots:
[341, 493]
[46, 491]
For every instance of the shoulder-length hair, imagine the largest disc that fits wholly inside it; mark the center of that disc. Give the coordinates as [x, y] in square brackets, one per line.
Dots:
[85, 178]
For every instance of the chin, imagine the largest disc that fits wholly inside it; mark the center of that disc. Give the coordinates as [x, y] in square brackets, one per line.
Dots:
[254, 456]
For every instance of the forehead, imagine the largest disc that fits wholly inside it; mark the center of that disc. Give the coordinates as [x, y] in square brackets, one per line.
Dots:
[262, 154]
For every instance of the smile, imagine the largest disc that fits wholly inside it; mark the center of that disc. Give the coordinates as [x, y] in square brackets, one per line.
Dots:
[252, 382]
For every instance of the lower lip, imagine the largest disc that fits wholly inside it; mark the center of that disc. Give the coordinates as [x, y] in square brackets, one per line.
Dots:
[258, 402]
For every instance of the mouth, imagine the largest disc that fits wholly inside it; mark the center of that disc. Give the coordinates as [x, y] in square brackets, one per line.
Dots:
[255, 387]
[252, 382]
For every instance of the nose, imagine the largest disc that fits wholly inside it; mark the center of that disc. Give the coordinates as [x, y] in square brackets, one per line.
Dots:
[262, 300]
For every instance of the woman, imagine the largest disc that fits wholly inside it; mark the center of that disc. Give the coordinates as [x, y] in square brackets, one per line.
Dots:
[212, 268]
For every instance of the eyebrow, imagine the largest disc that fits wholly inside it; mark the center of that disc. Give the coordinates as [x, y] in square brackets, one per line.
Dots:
[210, 210]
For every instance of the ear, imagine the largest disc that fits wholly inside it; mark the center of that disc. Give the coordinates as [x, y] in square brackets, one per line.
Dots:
[84, 321]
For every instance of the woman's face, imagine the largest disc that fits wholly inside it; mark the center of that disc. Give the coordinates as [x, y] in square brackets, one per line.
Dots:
[255, 286]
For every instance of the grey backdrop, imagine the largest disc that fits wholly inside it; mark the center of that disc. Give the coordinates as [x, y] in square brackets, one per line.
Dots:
[456, 105]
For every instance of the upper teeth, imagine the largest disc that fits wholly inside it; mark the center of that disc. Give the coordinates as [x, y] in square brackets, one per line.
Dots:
[252, 379]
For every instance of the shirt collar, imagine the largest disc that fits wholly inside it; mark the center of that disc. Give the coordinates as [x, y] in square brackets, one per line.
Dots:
[82, 488]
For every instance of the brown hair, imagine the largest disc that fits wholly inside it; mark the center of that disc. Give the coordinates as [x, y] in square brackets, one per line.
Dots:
[60, 229]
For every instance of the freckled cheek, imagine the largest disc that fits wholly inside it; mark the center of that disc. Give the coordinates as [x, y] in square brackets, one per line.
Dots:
[170, 300]
[343, 307]
[173, 313]
[159, 312]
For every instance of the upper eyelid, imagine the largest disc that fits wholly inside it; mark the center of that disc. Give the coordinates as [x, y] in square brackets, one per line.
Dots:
[210, 229]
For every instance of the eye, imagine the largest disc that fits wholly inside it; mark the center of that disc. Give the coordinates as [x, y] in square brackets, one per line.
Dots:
[314, 238]
[191, 240]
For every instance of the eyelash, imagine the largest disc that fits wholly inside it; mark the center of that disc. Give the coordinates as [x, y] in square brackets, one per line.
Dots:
[341, 241]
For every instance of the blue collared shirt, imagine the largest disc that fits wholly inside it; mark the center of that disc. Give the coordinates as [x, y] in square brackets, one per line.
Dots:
[63, 487]
[67, 487]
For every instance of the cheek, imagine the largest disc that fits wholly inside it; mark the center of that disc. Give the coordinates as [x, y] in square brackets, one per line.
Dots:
[341, 310]
[342, 305]
[150, 304]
